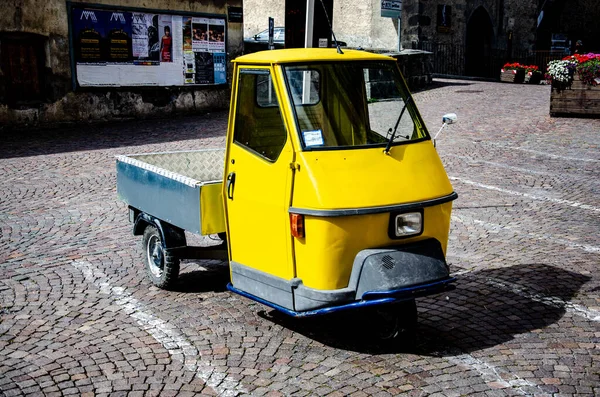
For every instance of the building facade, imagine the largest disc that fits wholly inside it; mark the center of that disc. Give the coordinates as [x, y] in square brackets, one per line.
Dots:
[111, 59]
[467, 37]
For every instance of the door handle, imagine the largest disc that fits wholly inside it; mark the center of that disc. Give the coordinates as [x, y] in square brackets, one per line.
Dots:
[230, 185]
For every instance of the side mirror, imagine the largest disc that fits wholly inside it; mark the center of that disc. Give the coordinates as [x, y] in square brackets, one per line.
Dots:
[448, 118]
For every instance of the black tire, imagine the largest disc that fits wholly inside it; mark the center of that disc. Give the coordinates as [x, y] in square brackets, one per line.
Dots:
[396, 322]
[162, 268]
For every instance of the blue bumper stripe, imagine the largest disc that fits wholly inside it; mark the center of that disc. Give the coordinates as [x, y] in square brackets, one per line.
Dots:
[369, 298]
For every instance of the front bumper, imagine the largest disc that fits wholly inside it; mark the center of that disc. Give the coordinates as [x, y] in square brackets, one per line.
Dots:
[369, 299]
[379, 276]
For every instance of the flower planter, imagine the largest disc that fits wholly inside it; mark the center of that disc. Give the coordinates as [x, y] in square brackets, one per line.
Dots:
[580, 98]
[512, 76]
[533, 77]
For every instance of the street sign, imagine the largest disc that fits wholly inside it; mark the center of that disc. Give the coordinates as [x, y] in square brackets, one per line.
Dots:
[235, 14]
[391, 8]
[271, 31]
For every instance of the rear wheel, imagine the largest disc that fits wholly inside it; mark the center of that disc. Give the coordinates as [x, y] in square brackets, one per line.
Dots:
[162, 268]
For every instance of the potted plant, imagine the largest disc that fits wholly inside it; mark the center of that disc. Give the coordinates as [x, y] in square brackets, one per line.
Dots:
[575, 85]
[532, 74]
[512, 73]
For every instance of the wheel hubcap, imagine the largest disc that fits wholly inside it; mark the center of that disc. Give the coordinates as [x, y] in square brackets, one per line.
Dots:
[155, 256]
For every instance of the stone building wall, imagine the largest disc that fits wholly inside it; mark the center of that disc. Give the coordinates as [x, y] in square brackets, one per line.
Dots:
[514, 22]
[47, 20]
[517, 16]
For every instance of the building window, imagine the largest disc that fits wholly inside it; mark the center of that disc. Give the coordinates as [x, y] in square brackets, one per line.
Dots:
[22, 66]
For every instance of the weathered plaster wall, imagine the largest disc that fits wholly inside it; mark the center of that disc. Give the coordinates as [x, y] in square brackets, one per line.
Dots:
[360, 24]
[49, 19]
[257, 13]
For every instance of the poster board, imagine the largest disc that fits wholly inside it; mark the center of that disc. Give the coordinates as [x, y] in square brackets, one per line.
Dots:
[114, 47]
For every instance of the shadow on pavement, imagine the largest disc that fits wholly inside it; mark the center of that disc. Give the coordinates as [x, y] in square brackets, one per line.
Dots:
[488, 308]
[23, 142]
[442, 83]
[213, 276]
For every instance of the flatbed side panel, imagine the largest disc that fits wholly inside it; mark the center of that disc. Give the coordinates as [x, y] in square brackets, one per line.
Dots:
[211, 208]
[170, 200]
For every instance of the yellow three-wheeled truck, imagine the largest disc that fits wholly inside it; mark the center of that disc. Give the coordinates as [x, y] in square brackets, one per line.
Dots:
[330, 192]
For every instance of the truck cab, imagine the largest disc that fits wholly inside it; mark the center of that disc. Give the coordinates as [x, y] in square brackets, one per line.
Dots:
[333, 191]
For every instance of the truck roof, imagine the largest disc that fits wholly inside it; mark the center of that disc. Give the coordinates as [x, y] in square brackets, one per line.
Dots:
[293, 55]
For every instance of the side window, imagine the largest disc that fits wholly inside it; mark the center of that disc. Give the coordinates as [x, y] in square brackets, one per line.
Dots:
[265, 94]
[258, 123]
[305, 85]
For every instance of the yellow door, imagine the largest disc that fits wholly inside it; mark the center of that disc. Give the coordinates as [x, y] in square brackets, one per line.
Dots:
[258, 181]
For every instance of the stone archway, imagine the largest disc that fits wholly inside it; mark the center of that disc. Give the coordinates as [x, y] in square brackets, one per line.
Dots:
[478, 51]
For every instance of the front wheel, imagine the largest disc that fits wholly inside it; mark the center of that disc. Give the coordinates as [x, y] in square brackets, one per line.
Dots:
[162, 268]
[397, 321]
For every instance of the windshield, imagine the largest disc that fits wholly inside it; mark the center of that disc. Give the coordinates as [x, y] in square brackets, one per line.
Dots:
[352, 104]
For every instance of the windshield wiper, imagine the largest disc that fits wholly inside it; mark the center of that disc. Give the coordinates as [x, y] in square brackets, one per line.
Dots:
[389, 144]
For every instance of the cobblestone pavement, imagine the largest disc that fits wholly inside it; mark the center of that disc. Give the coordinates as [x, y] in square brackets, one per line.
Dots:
[78, 315]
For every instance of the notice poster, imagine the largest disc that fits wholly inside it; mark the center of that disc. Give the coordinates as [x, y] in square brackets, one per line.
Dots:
[87, 36]
[216, 35]
[101, 36]
[220, 68]
[199, 34]
[165, 29]
[186, 26]
[145, 41]
[177, 39]
[189, 66]
[204, 68]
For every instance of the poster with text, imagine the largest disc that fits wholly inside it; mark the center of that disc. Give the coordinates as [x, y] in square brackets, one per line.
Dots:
[199, 34]
[220, 68]
[205, 73]
[165, 30]
[189, 67]
[187, 33]
[177, 30]
[101, 36]
[216, 35]
[145, 40]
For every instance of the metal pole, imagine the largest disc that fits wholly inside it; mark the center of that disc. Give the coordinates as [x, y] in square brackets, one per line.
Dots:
[310, 18]
[400, 32]
[308, 43]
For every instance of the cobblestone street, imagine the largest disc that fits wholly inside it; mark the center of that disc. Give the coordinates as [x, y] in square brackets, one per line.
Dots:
[79, 316]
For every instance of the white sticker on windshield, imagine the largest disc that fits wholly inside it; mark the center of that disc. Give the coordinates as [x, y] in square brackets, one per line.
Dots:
[313, 138]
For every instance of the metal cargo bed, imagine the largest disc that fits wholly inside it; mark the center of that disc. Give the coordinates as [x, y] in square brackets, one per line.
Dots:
[181, 188]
